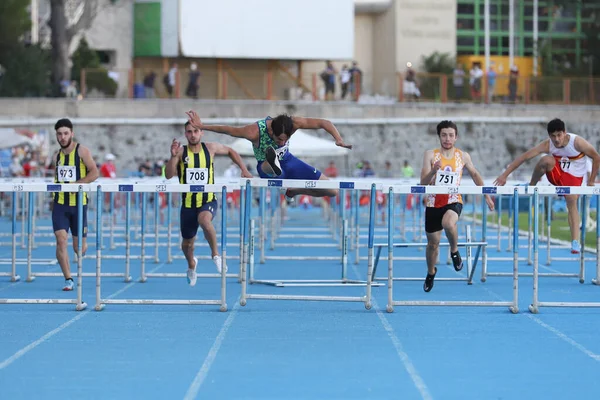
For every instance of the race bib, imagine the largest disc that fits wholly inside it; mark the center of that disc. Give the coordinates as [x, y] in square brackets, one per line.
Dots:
[281, 151]
[565, 164]
[66, 173]
[446, 178]
[196, 175]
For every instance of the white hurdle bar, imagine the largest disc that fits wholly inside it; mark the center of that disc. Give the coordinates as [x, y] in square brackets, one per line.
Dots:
[512, 305]
[342, 258]
[49, 188]
[172, 188]
[248, 238]
[536, 304]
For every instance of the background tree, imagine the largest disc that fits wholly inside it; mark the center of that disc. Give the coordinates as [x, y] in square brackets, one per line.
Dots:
[65, 24]
[23, 67]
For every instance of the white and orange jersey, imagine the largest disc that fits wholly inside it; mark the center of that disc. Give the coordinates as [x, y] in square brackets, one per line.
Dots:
[569, 159]
[449, 174]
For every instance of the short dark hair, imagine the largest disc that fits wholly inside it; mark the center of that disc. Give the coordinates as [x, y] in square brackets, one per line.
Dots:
[63, 123]
[281, 124]
[186, 124]
[556, 125]
[446, 124]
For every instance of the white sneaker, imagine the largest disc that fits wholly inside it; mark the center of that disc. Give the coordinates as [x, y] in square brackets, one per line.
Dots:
[69, 285]
[191, 274]
[219, 262]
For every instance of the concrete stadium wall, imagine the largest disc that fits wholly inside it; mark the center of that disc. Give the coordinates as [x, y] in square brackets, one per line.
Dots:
[492, 145]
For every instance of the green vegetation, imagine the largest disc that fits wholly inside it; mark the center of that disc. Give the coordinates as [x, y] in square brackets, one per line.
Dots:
[560, 226]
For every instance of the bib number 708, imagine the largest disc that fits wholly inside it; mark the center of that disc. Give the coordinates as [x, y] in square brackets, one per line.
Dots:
[197, 175]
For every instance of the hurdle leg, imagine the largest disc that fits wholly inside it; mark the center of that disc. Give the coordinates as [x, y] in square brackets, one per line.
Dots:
[390, 278]
[596, 281]
[143, 277]
[99, 230]
[582, 238]
[483, 239]
[515, 306]
[169, 229]
[534, 307]
[30, 277]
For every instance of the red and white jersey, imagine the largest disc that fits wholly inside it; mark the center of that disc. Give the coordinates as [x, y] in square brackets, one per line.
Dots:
[569, 159]
[449, 174]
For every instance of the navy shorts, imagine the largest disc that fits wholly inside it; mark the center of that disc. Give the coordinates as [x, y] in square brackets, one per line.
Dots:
[292, 168]
[65, 217]
[188, 218]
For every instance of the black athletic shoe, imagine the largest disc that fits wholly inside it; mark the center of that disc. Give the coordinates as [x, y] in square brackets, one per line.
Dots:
[457, 261]
[428, 285]
[273, 161]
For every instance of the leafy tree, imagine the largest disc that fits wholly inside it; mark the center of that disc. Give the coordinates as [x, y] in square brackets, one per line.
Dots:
[23, 68]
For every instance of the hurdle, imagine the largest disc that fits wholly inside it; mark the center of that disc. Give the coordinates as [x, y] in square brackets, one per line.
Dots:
[177, 188]
[535, 305]
[583, 206]
[581, 259]
[13, 271]
[268, 223]
[512, 305]
[249, 253]
[343, 258]
[41, 187]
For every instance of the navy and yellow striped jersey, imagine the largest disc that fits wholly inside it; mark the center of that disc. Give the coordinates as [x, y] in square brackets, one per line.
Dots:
[69, 169]
[196, 169]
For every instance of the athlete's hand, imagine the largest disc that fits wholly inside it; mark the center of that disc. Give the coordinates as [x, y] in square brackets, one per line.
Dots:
[490, 202]
[175, 146]
[341, 143]
[500, 181]
[591, 182]
[436, 165]
[194, 119]
[246, 174]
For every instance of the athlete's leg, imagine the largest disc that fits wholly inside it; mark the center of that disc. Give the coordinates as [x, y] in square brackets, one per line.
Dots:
[62, 256]
[205, 217]
[432, 250]
[545, 165]
[573, 214]
[210, 234]
[449, 223]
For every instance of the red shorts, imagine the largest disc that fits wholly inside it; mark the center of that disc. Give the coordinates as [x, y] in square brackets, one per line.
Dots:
[558, 177]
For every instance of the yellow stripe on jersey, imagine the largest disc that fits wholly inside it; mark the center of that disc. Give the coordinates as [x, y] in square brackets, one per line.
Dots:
[202, 159]
[69, 160]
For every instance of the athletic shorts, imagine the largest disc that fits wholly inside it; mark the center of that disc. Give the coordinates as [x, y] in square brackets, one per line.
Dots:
[558, 177]
[65, 217]
[188, 218]
[292, 168]
[434, 216]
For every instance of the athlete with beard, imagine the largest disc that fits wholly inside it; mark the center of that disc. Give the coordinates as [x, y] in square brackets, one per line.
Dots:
[443, 167]
[74, 164]
[193, 164]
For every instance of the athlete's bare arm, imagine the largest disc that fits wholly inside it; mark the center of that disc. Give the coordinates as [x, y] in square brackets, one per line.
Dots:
[543, 147]
[176, 152]
[249, 132]
[90, 165]
[429, 169]
[319, 123]
[476, 176]
[586, 148]
[222, 150]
